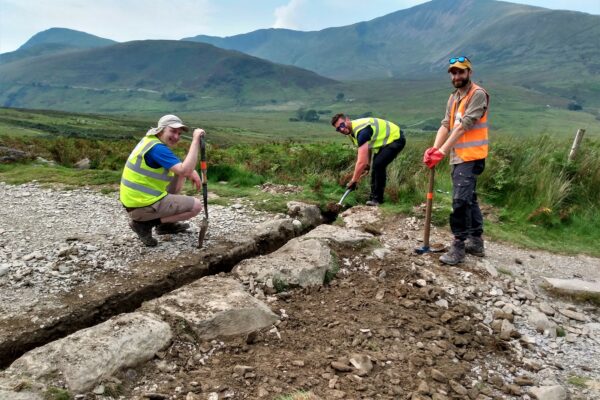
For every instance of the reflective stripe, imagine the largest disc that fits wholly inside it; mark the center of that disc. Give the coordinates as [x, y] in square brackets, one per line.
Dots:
[375, 134]
[387, 133]
[479, 126]
[140, 188]
[474, 143]
[138, 168]
[359, 128]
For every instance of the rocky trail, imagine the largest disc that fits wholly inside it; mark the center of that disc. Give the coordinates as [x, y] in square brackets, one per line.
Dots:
[280, 307]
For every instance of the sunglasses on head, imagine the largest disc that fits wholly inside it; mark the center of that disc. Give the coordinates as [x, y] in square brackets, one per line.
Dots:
[460, 59]
[341, 126]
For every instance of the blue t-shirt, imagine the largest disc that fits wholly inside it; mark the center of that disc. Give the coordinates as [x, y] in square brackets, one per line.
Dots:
[161, 156]
[364, 135]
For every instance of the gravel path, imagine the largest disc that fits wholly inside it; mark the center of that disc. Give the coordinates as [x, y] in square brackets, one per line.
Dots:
[52, 240]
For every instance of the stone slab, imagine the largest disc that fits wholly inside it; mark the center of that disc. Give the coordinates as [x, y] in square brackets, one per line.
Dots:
[214, 307]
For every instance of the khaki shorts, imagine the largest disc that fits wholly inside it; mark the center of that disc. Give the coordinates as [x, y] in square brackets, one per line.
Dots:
[171, 204]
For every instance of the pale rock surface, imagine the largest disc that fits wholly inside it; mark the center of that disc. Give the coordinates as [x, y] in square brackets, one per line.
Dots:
[214, 307]
[90, 355]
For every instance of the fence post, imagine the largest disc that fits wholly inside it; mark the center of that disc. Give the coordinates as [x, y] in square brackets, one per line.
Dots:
[576, 143]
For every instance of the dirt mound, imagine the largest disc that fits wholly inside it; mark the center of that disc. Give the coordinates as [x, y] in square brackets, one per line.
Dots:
[373, 333]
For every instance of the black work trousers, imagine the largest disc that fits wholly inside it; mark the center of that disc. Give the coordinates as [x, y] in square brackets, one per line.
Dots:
[381, 160]
[466, 219]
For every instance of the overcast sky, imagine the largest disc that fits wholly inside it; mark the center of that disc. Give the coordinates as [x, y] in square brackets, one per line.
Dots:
[124, 20]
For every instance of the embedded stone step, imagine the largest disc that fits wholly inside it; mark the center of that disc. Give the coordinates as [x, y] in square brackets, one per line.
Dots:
[301, 262]
[573, 286]
[213, 307]
[90, 355]
[339, 235]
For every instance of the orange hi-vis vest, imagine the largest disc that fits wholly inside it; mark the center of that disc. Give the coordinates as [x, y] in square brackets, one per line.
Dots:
[473, 145]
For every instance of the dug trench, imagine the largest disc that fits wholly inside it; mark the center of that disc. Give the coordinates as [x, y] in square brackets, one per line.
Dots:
[390, 325]
[373, 332]
[112, 294]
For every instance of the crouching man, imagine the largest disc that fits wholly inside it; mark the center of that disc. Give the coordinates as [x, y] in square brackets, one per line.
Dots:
[152, 178]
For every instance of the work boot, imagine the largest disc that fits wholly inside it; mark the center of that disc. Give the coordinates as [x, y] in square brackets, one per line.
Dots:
[456, 254]
[474, 246]
[372, 203]
[144, 231]
[171, 228]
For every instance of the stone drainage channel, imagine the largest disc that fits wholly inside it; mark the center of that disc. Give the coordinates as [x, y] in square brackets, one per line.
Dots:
[45, 351]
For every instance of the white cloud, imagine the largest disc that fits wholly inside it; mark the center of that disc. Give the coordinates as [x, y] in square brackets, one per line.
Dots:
[289, 15]
[120, 20]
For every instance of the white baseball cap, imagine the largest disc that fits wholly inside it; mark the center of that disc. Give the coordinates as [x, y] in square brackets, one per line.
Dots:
[167, 120]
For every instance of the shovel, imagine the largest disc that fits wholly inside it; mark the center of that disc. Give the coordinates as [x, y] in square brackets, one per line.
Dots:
[204, 222]
[436, 247]
[346, 193]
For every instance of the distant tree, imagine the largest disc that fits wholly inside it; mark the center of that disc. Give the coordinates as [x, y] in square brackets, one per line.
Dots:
[311, 116]
[174, 96]
[574, 106]
[340, 96]
[300, 114]
[303, 114]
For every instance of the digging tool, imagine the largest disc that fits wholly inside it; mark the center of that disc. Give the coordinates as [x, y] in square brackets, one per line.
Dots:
[204, 222]
[333, 209]
[436, 247]
[346, 193]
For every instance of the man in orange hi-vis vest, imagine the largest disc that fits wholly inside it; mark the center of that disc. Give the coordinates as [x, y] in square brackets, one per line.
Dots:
[463, 136]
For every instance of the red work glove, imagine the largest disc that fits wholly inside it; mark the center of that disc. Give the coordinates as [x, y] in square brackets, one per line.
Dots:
[433, 157]
[427, 154]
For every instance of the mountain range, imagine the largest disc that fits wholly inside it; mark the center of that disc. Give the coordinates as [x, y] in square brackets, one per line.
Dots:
[555, 52]
[418, 41]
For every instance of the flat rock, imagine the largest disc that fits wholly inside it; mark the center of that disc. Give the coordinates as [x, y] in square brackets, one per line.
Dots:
[573, 286]
[360, 216]
[214, 307]
[10, 395]
[301, 262]
[546, 309]
[548, 393]
[339, 235]
[540, 322]
[90, 355]
[485, 264]
[308, 214]
[274, 230]
[577, 316]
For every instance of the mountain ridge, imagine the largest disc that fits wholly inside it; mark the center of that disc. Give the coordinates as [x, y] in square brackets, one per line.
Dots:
[428, 34]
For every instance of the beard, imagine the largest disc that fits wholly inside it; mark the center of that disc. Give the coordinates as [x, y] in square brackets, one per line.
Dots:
[460, 82]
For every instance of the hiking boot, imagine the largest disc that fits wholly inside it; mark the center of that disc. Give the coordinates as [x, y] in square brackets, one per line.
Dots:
[372, 203]
[144, 231]
[474, 246]
[171, 228]
[456, 254]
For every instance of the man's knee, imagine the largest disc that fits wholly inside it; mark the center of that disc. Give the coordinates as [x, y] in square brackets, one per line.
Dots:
[197, 207]
[458, 204]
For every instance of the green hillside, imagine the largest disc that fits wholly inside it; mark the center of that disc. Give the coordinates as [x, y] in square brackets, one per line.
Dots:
[417, 106]
[36, 50]
[55, 41]
[67, 37]
[507, 42]
[149, 75]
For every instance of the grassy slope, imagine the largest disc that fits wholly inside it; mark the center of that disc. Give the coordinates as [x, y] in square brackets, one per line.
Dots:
[417, 106]
[518, 123]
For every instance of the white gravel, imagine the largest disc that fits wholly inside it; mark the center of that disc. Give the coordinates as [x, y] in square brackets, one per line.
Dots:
[52, 240]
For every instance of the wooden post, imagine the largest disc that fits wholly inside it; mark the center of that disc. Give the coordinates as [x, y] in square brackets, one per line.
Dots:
[576, 143]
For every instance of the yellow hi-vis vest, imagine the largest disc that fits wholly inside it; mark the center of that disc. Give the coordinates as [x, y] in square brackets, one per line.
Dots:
[473, 145]
[384, 132]
[142, 185]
